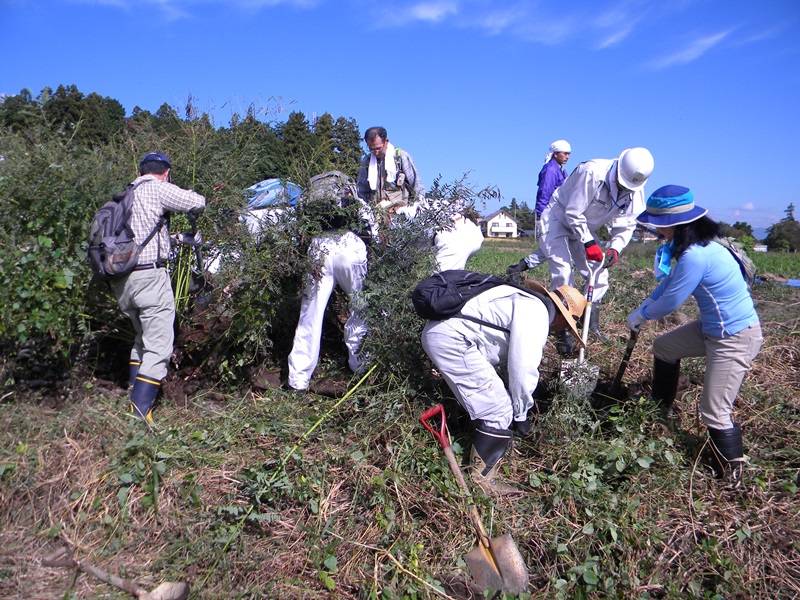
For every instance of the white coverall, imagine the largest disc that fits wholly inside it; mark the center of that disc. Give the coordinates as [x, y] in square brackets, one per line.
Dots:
[343, 260]
[588, 199]
[466, 354]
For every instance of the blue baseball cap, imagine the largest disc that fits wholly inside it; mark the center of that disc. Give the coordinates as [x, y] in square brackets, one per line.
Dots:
[157, 157]
[669, 206]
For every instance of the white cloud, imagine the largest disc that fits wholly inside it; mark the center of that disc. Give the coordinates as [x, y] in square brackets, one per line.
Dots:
[694, 50]
[433, 11]
[748, 206]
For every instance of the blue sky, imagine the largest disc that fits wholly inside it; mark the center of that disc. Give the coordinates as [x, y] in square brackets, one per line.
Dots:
[711, 88]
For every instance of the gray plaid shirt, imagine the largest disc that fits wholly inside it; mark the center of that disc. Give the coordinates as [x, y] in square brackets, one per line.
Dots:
[151, 199]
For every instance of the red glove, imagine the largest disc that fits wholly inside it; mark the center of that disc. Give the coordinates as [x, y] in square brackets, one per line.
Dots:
[612, 256]
[593, 251]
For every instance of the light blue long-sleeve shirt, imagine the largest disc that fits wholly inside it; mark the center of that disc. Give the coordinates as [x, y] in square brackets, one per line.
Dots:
[714, 278]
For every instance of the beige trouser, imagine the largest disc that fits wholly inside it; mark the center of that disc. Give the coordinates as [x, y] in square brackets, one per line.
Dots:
[147, 300]
[727, 361]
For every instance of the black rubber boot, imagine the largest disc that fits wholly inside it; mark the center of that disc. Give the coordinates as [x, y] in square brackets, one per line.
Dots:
[665, 383]
[133, 371]
[143, 396]
[594, 325]
[727, 456]
[488, 448]
[566, 343]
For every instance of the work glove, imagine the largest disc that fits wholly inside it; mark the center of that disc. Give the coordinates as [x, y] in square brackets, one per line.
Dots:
[612, 256]
[593, 251]
[635, 319]
[189, 239]
[517, 268]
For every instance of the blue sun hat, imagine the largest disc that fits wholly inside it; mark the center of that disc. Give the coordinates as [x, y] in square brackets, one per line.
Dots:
[669, 206]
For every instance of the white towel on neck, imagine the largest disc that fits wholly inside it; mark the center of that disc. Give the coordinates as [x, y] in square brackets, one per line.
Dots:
[391, 168]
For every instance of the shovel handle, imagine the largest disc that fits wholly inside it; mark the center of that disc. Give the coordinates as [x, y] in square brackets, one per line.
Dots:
[634, 335]
[441, 435]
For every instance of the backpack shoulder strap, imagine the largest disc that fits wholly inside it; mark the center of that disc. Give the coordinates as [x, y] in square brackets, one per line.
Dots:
[159, 224]
[459, 315]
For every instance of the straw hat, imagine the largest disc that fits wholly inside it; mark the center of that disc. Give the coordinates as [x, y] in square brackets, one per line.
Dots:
[569, 302]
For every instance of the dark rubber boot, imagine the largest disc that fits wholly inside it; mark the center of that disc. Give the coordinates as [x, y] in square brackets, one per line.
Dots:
[143, 396]
[488, 448]
[594, 325]
[133, 371]
[727, 460]
[665, 383]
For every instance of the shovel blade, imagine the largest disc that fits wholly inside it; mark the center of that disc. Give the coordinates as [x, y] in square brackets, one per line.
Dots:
[500, 567]
[579, 377]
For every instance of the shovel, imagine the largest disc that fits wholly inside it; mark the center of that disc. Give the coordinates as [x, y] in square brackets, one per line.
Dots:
[579, 375]
[166, 591]
[634, 335]
[494, 563]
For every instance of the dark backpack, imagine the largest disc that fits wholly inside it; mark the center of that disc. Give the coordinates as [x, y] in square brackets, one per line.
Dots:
[113, 252]
[444, 294]
[332, 199]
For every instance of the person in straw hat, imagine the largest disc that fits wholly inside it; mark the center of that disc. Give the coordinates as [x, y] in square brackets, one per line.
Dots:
[728, 332]
[506, 326]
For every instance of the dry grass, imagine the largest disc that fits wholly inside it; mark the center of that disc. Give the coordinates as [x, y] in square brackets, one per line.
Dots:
[276, 495]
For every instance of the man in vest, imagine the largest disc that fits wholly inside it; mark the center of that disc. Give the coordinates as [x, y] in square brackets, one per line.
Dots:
[388, 179]
[501, 326]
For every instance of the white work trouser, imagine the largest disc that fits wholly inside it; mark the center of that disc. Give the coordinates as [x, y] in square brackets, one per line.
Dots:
[343, 261]
[454, 246]
[562, 251]
[469, 374]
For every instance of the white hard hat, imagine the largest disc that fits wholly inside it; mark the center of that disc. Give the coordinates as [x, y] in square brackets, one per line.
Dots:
[634, 166]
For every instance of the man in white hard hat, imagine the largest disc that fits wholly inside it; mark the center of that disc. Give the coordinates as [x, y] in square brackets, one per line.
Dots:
[551, 177]
[598, 192]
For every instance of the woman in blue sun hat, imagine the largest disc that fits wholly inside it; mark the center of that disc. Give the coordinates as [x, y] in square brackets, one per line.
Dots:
[728, 332]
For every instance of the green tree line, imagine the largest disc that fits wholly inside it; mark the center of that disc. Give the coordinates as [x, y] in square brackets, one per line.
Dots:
[65, 153]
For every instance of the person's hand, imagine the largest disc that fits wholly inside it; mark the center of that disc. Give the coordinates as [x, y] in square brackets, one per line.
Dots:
[635, 319]
[521, 428]
[593, 251]
[188, 239]
[612, 256]
[517, 268]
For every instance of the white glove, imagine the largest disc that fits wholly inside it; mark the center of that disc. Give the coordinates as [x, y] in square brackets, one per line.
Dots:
[635, 319]
[188, 239]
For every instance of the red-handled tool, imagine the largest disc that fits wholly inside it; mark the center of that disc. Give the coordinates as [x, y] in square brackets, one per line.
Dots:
[494, 563]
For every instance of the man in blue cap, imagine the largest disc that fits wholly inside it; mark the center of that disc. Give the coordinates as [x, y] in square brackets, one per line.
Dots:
[145, 296]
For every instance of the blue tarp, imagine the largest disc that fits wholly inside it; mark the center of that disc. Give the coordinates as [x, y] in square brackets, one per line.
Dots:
[793, 282]
[272, 192]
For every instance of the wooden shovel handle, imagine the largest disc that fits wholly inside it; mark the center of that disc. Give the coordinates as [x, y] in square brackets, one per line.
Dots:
[441, 436]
